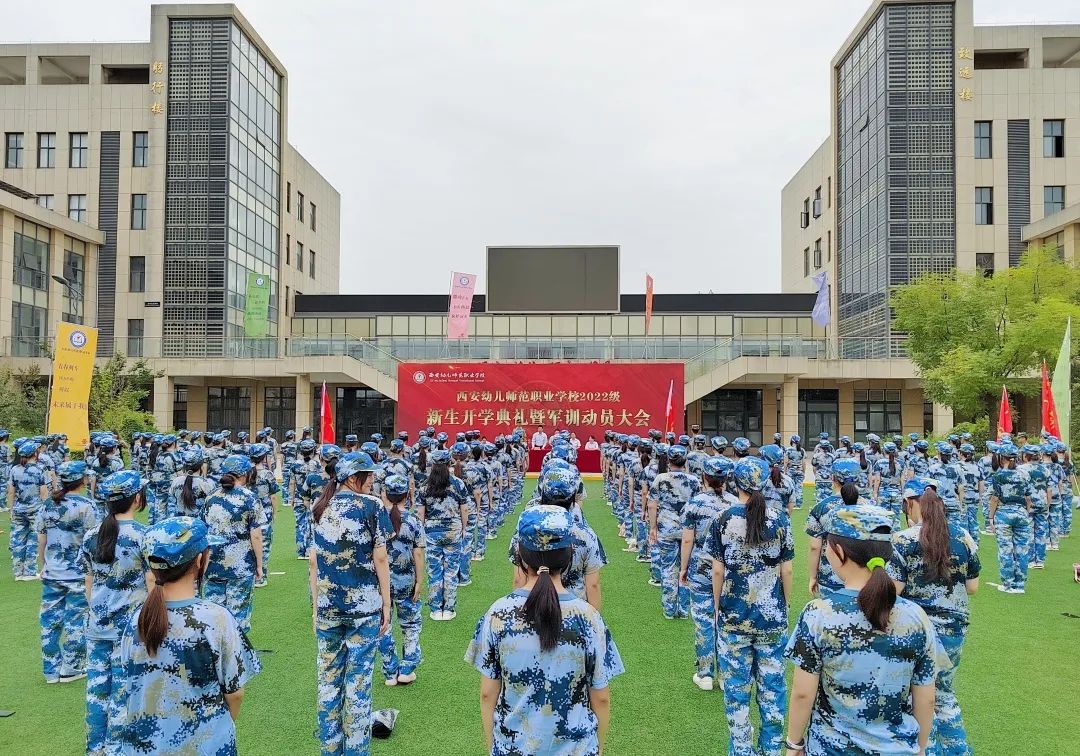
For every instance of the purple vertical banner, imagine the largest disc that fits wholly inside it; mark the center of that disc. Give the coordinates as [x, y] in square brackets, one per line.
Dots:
[461, 294]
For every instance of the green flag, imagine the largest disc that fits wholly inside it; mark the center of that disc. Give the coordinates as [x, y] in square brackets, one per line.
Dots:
[1061, 386]
[258, 305]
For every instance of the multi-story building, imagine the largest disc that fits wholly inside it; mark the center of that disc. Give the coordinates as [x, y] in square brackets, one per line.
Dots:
[952, 146]
[176, 151]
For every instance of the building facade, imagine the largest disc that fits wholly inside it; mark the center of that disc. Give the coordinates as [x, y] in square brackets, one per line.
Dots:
[948, 141]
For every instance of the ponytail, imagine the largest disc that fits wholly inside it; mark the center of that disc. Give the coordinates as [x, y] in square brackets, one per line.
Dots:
[422, 461]
[661, 464]
[755, 519]
[862, 459]
[109, 530]
[324, 498]
[154, 449]
[228, 482]
[153, 621]
[187, 497]
[395, 511]
[934, 536]
[776, 476]
[66, 488]
[542, 610]
[878, 596]
[892, 464]
[718, 485]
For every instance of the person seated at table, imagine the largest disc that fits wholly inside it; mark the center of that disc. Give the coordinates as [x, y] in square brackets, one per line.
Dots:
[574, 440]
[591, 444]
[539, 439]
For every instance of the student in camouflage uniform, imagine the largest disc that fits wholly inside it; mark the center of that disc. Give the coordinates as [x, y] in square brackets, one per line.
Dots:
[350, 580]
[695, 458]
[751, 547]
[822, 464]
[5, 468]
[652, 461]
[698, 516]
[886, 481]
[305, 465]
[163, 469]
[265, 488]
[795, 467]
[1010, 507]
[1060, 494]
[919, 461]
[529, 706]
[101, 466]
[290, 452]
[1041, 482]
[949, 482]
[971, 478]
[987, 467]
[189, 490]
[779, 489]
[443, 507]
[235, 518]
[28, 489]
[406, 554]
[183, 661]
[865, 659]
[936, 565]
[668, 495]
[477, 478]
[116, 583]
[845, 476]
[61, 524]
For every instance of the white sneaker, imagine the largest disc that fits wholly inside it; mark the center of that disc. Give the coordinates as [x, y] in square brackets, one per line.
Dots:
[463, 583]
[447, 616]
[477, 559]
[491, 536]
[406, 679]
[705, 683]
[656, 584]
[1037, 566]
[1003, 589]
[390, 682]
[72, 678]
[1017, 590]
[437, 616]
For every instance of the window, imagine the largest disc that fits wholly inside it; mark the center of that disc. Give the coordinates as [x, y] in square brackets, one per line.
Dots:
[280, 407]
[1053, 199]
[984, 206]
[300, 206]
[80, 151]
[288, 196]
[877, 411]
[1057, 241]
[31, 256]
[75, 275]
[984, 262]
[46, 150]
[228, 407]
[136, 274]
[140, 149]
[27, 330]
[179, 407]
[288, 249]
[286, 301]
[14, 150]
[138, 212]
[732, 413]
[312, 216]
[818, 411]
[135, 332]
[828, 246]
[806, 261]
[77, 207]
[804, 218]
[300, 257]
[311, 263]
[46, 201]
[361, 411]
[983, 145]
[817, 202]
[1054, 138]
[817, 254]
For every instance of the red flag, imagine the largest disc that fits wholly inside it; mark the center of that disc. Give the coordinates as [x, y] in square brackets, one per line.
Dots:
[1049, 410]
[648, 302]
[326, 419]
[1004, 414]
[669, 420]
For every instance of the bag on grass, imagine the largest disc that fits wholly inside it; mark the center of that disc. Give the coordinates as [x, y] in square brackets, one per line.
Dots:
[382, 722]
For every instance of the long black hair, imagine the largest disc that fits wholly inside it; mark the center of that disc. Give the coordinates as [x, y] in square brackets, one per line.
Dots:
[878, 596]
[755, 518]
[109, 530]
[153, 621]
[542, 610]
[438, 482]
[421, 460]
[328, 490]
[66, 488]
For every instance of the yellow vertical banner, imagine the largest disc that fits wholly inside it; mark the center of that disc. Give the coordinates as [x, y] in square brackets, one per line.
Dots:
[73, 368]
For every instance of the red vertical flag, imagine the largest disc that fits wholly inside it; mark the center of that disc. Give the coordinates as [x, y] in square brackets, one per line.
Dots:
[1049, 410]
[326, 419]
[669, 420]
[1004, 414]
[648, 302]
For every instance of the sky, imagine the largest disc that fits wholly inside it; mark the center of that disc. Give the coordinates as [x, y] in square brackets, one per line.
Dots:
[668, 128]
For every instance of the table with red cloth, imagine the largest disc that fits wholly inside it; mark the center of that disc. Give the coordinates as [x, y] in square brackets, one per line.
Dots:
[588, 460]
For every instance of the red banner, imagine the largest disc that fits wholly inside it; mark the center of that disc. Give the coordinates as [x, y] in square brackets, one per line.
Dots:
[496, 397]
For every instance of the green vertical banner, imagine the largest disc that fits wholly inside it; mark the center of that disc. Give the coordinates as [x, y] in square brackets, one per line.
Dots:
[258, 305]
[1061, 386]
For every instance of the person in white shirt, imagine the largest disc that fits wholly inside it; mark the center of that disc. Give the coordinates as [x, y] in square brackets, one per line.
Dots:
[574, 440]
[539, 439]
[591, 444]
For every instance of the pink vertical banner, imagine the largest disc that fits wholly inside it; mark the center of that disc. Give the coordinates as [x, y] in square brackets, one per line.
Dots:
[461, 294]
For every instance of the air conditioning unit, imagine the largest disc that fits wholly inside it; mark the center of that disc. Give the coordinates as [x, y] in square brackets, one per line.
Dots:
[804, 219]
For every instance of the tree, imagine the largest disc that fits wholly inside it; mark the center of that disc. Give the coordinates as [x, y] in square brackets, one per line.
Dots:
[23, 400]
[968, 334]
[117, 392]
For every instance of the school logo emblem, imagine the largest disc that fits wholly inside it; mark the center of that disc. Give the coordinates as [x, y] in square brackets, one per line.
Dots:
[260, 281]
[419, 376]
[77, 339]
[464, 281]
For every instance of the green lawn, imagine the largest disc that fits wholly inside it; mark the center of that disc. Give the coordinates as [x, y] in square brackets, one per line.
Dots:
[1019, 684]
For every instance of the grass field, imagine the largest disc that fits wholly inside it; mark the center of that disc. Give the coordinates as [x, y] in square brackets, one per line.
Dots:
[1019, 684]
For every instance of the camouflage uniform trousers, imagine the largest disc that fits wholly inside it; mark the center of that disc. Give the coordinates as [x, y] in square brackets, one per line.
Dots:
[346, 664]
[100, 692]
[1013, 528]
[443, 563]
[468, 547]
[483, 524]
[621, 508]
[408, 613]
[1040, 528]
[971, 517]
[268, 538]
[22, 543]
[703, 610]
[303, 527]
[63, 628]
[286, 479]
[948, 737]
[987, 524]
[889, 498]
[796, 497]
[233, 593]
[3, 491]
[674, 598]
[747, 661]
[1053, 518]
[822, 491]
[157, 504]
[1067, 507]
